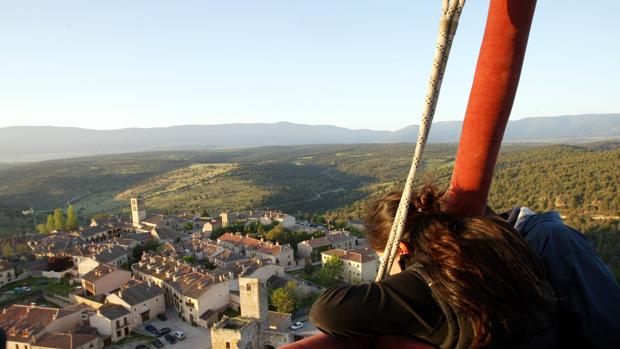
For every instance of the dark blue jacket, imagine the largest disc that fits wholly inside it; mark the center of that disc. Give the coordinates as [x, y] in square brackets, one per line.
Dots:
[588, 295]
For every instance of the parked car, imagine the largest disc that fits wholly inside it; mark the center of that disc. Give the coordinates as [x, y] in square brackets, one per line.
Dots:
[162, 317]
[151, 329]
[141, 346]
[179, 335]
[170, 338]
[157, 343]
[163, 331]
[297, 325]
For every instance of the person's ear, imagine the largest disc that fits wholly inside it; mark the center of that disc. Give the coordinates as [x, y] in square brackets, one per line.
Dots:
[402, 248]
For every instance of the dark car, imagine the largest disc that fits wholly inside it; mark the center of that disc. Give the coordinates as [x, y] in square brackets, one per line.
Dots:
[170, 338]
[163, 331]
[162, 317]
[157, 343]
[151, 329]
[141, 346]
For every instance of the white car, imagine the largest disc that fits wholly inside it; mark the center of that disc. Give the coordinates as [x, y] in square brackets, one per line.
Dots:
[179, 335]
[297, 325]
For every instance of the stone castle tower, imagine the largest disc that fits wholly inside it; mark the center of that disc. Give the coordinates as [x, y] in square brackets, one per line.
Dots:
[138, 211]
[253, 299]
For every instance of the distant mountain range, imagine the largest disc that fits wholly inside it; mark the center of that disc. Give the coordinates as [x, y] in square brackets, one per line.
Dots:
[36, 143]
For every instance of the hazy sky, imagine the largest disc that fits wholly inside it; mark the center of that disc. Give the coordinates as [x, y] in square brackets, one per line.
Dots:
[358, 64]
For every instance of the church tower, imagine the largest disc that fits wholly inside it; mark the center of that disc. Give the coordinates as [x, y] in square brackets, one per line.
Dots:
[224, 219]
[138, 211]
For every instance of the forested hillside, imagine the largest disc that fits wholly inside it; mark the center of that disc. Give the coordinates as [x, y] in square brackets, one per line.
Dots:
[581, 182]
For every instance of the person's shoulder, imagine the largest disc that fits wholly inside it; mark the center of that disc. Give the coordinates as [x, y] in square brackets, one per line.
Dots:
[547, 228]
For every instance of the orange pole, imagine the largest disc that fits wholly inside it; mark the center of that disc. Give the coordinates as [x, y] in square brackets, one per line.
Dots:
[490, 102]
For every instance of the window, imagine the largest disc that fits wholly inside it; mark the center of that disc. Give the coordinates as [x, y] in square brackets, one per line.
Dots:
[118, 323]
[126, 331]
[118, 333]
[227, 345]
[248, 288]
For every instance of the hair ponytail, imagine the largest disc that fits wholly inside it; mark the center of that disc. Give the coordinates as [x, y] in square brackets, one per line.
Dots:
[480, 267]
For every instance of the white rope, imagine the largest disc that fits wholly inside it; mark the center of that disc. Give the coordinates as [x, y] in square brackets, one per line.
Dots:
[450, 14]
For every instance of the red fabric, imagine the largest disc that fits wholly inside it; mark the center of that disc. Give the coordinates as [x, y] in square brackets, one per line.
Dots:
[490, 101]
[323, 341]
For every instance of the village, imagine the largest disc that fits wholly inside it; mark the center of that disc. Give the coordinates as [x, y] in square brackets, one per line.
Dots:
[180, 280]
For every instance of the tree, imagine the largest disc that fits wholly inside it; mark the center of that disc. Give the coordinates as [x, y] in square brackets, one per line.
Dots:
[333, 267]
[188, 226]
[72, 221]
[99, 216]
[50, 223]
[286, 299]
[189, 259]
[42, 228]
[7, 250]
[59, 220]
[276, 234]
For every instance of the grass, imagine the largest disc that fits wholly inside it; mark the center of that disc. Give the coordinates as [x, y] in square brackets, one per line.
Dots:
[61, 288]
[315, 276]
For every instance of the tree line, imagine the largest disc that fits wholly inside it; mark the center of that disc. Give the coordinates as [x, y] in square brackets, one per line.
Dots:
[57, 221]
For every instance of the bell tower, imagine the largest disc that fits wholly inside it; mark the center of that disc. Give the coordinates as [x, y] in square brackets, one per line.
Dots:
[138, 211]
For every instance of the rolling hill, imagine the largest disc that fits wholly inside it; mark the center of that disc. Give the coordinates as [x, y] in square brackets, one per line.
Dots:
[36, 143]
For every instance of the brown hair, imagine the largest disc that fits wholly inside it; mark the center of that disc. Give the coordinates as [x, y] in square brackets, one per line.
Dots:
[482, 268]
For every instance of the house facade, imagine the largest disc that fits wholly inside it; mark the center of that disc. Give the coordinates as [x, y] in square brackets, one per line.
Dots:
[357, 265]
[112, 322]
[143, 301]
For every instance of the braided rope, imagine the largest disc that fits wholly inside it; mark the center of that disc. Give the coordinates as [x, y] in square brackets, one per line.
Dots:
[450, 14]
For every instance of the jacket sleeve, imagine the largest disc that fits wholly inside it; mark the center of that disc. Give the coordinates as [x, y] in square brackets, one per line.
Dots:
[400, 304]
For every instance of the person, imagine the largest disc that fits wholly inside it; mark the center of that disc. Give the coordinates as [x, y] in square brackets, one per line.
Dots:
[588, 308]
[457, 283]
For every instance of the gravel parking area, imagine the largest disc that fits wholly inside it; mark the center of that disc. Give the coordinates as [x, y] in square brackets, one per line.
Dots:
[196, 337]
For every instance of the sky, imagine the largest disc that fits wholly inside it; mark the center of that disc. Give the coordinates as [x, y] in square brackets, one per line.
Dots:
[358, 64]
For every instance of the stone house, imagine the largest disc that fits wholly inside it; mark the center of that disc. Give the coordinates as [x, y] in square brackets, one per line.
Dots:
[25, 325]
[104, 279]
[282, 255]
[357, 265]
[112, 322]
[311, 249]
[192, 293]
[143, 301]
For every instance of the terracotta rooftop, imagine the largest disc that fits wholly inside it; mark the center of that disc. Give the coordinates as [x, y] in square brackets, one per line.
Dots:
[65, 340]
[112, 311]
[329, 240]
[100, 271]
[135, 292]
[20, 322]
[278, 321]
[359, 256]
